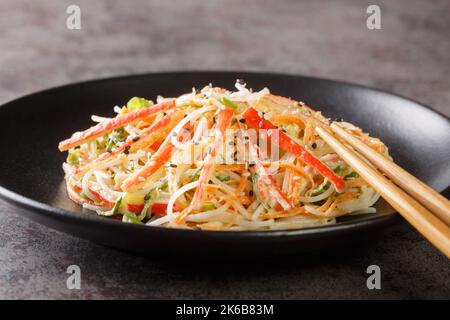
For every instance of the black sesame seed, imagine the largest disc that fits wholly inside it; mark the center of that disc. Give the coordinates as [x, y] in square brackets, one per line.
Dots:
[314, 145]
[135, 139]
[251, 165]
[126, 150]
[242, 120]
[109, 150]
[250, 193]
[147, 197]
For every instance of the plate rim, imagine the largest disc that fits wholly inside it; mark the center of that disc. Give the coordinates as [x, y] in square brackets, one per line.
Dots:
[59, 214]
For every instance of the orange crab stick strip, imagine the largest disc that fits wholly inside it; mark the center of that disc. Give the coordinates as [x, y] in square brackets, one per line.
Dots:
[117, 122]
[131, 144]
[254, 120]
[158, 159]
[223, 120]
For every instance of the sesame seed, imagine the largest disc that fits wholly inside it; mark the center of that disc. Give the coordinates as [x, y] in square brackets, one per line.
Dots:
[246, 174]
[295, 178]
[267, 181]
[142, 179]
[242, 120]
[260, 124]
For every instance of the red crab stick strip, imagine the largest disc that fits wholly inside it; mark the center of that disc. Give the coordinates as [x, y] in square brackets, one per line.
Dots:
[158, 159]
[266, 184]
[253, 120]
[109, 125]
[223, 120]
[146, 133]
[158, 208]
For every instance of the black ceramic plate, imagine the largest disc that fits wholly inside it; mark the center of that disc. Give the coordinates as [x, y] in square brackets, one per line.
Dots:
[31, 176]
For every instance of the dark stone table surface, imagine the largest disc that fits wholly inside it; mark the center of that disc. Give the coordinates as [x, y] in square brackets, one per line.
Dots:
[410, 56]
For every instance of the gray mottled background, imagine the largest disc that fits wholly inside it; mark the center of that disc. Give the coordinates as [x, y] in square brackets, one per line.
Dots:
[409, 56]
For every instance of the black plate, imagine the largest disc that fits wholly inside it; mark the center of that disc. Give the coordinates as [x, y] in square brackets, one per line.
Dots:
[31, 176]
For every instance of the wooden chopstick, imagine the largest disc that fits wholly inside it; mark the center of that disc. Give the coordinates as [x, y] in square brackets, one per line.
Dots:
[430, 226]
[431, 199]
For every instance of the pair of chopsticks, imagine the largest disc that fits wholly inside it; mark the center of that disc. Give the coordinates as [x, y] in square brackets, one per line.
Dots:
[427, 210]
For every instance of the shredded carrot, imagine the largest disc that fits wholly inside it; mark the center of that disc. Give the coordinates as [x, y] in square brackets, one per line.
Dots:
[341, 198]
[280, 119]
[326, 205]
[287, 213]
[242, 184]
[358, 182]
[309, 136]
[297, 168]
